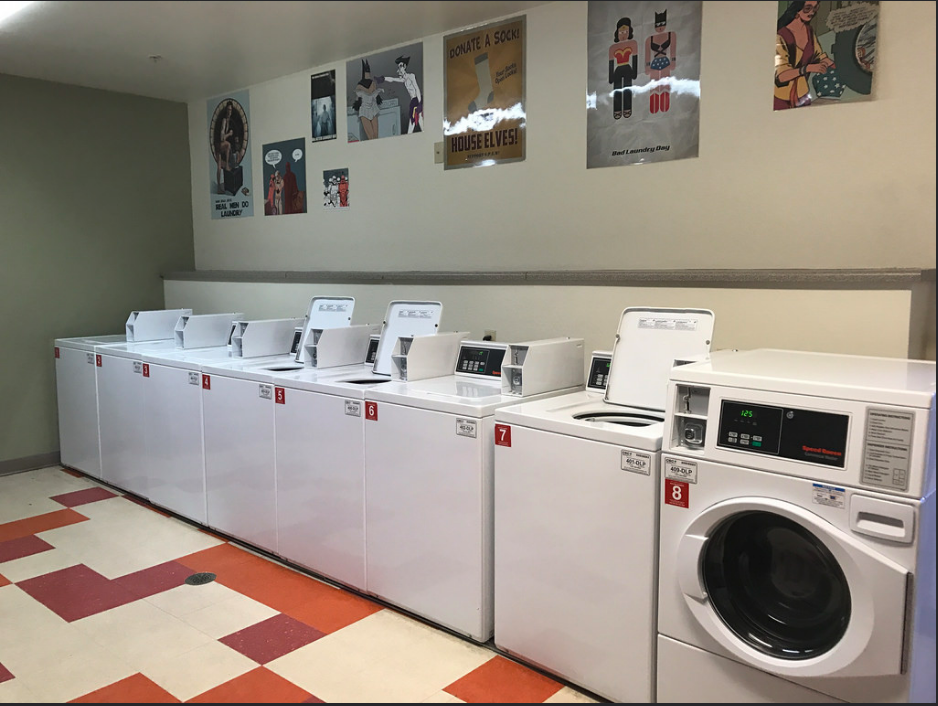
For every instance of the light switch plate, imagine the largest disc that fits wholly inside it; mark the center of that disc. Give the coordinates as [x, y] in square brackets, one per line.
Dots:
[438, 153]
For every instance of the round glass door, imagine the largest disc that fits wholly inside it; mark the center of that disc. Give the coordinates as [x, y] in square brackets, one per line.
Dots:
[776, 585]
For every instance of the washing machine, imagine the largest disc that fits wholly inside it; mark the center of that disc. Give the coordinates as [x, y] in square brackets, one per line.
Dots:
[797, 530]
[238, 423]
[77, 398]
[576, 488]
[429, 449]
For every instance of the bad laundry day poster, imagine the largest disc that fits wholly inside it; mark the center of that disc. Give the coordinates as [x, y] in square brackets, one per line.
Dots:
[483, 75]
[322, 105]
[643, 93]
[824, 53]
[285, 177]
[230, 156]
[384, 94]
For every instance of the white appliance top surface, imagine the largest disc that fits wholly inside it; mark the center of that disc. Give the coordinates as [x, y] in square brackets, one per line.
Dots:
[188, 359]
[306, 378]
[248, 368]
[558, 415]
[136, 350]
[861, 378]
[342, 384]
[88, 343]
[647, 343]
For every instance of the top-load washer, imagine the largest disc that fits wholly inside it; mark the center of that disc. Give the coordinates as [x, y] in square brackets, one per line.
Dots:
[428, 476]
[797, 530]
[576, 509]
[77, 397]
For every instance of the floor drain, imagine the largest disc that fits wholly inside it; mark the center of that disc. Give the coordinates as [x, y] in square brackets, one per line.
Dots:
[201, 578]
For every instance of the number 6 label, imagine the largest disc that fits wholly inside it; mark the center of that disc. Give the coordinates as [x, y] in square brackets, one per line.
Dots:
[371, 411]
[502, 435]
[677, 493]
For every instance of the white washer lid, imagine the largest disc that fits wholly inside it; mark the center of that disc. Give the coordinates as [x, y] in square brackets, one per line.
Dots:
[330, 312]
[405, 319]
[647, 343]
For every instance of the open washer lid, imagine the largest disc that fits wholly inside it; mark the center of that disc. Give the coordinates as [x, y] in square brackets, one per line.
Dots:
[405, 318]
[648, 342]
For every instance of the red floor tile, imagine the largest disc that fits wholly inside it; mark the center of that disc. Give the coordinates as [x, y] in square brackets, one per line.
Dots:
[333, 610]
[135, 689]
[259, 686]
[6, 675]
[4, 581]
[70, 472]
[83, 497]
[314, 700]
[502, 681]
[144, 503]
[154, 580]
[76, 592]
[271, 638]
[24, 546]
[39, 523]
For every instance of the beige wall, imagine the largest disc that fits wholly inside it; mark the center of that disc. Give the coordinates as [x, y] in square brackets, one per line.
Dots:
[849, 186]
[94, 205]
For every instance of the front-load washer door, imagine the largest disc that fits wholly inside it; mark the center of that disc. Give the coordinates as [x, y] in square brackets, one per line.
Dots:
[784, 590]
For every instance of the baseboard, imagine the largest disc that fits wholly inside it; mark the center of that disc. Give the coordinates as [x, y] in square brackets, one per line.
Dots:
[29, 463]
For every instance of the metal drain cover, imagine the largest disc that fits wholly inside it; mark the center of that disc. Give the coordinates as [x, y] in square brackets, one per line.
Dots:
[201, 578]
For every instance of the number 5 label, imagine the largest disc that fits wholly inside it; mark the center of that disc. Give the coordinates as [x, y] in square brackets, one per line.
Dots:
[502, 435]
[676, 493]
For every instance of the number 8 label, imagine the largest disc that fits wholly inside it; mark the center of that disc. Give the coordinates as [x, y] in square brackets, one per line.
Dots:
[371, 411]
[677, 493]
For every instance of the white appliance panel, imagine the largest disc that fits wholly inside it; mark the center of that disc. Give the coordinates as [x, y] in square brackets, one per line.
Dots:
[120, 405]
[77, 392]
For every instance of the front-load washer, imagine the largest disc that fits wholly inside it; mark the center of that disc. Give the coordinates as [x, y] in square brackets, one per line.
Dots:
[576, 509]
[428, 477]
[797, 530]
[77, 398]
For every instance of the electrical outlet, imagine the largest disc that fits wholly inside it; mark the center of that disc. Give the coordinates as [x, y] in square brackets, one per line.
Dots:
[438, 153]
[488, 335]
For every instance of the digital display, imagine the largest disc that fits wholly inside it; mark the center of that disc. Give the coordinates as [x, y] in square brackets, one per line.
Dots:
[599, 373]
[476, 360]
[745, 413]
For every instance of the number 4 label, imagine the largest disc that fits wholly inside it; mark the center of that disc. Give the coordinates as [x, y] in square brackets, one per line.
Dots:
[677, 493]
[502, 435]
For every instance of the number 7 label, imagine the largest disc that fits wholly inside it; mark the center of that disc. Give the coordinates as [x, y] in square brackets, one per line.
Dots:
[502, 435]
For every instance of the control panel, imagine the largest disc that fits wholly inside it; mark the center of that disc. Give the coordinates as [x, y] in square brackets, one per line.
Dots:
[483, 361]
[797, 434]
[372, 350]
[599, 372]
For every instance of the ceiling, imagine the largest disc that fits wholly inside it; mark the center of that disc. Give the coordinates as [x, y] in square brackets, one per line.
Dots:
[209, 48]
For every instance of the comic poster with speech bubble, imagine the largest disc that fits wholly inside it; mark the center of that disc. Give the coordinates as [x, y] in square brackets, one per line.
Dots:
[285, 177]
[230, 156]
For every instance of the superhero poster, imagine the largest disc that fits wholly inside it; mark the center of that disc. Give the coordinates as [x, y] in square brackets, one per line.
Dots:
[824, 52]
[229, 155]
[335, 189]
[384, 94]
[322, 105]
[643, 82]
[483, 79]
[285, 177]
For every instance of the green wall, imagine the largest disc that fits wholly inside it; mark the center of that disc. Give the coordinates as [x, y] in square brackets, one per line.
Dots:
[95, 202]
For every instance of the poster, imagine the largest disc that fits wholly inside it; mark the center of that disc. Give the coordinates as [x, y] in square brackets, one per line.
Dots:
[824, 53]
[483, 79]
[643, 92]
[230, 156]
[384, 94]
[335, 189]
[285, 177]
[322, 105]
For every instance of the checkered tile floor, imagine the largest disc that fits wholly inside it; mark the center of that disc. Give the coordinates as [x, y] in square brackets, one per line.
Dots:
[94, 608]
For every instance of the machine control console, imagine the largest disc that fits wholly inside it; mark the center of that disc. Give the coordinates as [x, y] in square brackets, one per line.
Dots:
[797, 434]
[599, 372]
[479, 360]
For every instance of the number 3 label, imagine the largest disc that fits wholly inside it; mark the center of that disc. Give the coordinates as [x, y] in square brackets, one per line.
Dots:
[502, 435]
[371, 411]
[676, 493]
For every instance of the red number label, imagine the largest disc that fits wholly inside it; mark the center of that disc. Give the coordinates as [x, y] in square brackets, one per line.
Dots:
[97, 360]
[677, 493]
[206, 382]
[146, 370]
[502, 435]
[280, 395]
[371, 411]
[57, 352]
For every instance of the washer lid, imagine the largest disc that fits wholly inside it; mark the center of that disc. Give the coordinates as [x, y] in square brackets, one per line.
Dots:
[647, 343]
[405, 318]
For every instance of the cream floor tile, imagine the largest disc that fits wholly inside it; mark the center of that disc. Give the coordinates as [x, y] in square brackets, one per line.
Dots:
[106, 555]
[569, 696]
[21, 617]
[17, 504]
[142, 633]
[204, 668]
[228, 616]
[70, 678]
[36, 649]
[442, 697]
[185, 600]
[16, 692]
[38, 564]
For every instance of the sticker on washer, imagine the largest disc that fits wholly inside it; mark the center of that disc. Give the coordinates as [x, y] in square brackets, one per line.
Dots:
[353, 408]
[888, 450]
[57, 355]
[668, 324]
[333, 307]
[206, 382]
[466, 427]
[265, 392]
[415, 314]
[677, 493]
[679, 469]
[193, 378]
[503, 435]
[827, 495]
[90, 358]
[138, 367]
[371, 411]
[636, 462]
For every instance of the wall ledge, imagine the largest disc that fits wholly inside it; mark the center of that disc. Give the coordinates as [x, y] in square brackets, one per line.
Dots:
[894, 278]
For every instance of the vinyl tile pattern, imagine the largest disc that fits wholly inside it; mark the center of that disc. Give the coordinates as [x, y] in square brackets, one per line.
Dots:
[95, 609]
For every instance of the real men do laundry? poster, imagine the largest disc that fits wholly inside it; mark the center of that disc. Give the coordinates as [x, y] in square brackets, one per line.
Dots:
[230, 157]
